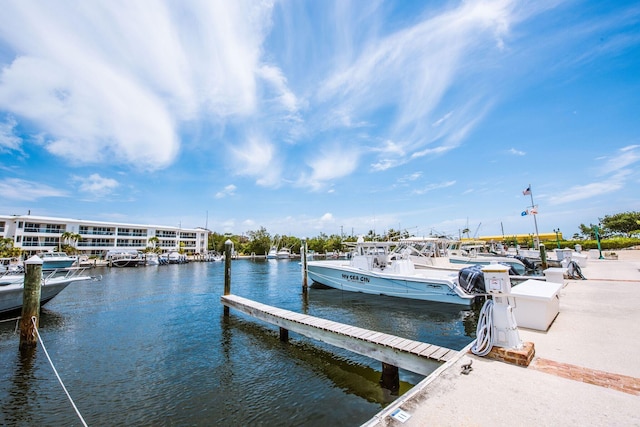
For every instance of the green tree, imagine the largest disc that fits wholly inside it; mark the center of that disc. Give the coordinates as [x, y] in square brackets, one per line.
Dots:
[153, 242]
[587, 232]
[625, 223]
[7, 250]
[259, 242]
[318, 243]
[68, 241]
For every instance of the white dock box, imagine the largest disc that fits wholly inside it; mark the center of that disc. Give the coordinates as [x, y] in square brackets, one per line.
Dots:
[537, 303]
[555, 275]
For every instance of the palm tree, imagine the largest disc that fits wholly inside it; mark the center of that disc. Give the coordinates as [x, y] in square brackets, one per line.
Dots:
[70, 239]
[153, 241]
[65, 237]
[75, 238]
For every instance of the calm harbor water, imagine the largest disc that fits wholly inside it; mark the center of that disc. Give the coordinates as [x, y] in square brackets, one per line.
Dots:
[150, 346]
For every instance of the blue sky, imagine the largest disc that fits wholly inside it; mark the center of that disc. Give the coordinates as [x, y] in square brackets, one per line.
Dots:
[318, 116]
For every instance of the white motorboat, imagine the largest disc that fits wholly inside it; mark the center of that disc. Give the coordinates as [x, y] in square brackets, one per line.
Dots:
[177, 258]
[54, 260]
[12, 288]
[151, 258]
[371, 270]
[283, 253]
[478, 252]
[273, 253]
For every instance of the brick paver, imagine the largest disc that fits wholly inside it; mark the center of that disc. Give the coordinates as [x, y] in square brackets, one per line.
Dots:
[622, 383]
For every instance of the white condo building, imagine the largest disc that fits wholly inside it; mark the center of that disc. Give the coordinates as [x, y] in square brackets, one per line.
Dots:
[35, 234]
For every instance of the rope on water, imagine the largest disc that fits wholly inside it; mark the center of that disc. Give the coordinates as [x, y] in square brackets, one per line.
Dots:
[33, 320]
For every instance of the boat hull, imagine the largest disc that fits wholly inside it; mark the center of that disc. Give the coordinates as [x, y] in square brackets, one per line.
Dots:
[11, 295]
[341, 276]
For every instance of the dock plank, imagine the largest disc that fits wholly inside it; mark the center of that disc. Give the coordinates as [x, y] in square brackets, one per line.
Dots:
[397, 351]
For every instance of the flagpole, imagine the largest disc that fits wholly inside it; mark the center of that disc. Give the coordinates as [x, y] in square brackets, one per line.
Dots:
[533, 206]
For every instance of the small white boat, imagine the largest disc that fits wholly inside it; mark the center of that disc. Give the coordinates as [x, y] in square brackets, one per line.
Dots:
[151, 258]
[371, 270]
[177, 258]
[283, 253]
[11, 294]
[273, 253]
[478, 252]
[54, 260]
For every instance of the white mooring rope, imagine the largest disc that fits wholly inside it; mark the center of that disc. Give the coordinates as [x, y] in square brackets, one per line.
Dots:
[33, 320]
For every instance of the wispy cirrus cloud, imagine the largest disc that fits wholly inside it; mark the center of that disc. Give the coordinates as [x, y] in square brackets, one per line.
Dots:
[330, 163]
[257, 157]
[8, 138]
[434, 186]
[123, 97]
[229, 190]
[20, 189]
[614, 174]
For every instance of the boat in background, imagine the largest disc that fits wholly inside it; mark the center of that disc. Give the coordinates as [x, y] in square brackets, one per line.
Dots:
[480, 253]
[283, 253]
[273, 253]
[12, 293]
[177, 258]
[372, 270]
[151, 258]
[54, 260]
[124, 258]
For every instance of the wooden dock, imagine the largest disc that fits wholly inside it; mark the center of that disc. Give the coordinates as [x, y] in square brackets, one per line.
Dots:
[414, 356]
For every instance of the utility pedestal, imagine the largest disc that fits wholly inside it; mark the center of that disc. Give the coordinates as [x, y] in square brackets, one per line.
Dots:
[506, 342]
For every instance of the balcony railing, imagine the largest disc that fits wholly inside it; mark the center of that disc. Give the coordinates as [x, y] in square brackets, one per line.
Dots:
[43, 230]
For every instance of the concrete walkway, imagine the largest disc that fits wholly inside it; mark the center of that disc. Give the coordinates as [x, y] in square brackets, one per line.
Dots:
[586, 369]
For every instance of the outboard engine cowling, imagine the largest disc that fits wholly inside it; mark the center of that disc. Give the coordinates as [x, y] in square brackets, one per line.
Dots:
[527, 262]
[471, 279]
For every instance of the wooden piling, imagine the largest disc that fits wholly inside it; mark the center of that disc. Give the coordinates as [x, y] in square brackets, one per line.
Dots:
[284, 334]
[303, 253]
[390, 378]
[543, 256]
[31, 302]
[228, 248]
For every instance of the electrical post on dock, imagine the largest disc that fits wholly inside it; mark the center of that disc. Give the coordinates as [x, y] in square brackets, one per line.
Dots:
[31, 302]
[228, 249]
[498, 283]
[497, 324]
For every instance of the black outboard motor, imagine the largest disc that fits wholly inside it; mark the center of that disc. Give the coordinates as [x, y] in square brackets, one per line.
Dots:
[574, 272]
[527, 263]
[471, 279]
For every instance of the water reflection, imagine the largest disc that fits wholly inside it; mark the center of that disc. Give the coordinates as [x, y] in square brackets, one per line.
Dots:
[150, 346]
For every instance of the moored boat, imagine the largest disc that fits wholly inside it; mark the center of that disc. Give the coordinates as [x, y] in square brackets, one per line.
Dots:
[371, 270]
[11, 294]
[273, 253]
[54, 260]
[461, 252]
[283, 253]
[177, 258]
[125, 258]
